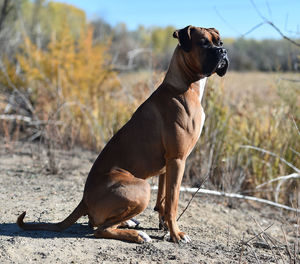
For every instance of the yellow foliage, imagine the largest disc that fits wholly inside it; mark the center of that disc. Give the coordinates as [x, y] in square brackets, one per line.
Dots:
[71, 80]
[9, 74]
[59, 13]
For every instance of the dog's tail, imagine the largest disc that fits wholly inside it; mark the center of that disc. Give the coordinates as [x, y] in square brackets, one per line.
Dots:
[79, 211]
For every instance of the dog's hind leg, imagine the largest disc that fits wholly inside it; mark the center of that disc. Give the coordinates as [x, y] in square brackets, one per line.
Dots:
[122, 234]
[125, 197]
[108, 230]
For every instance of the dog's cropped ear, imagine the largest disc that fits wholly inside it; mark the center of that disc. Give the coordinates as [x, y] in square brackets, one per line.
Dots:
[184, 38]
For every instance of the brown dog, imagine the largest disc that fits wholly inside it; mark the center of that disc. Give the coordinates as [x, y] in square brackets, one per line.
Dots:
[155, 141]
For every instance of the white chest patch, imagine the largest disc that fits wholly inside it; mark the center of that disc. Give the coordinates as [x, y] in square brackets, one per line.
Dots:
[202, 83]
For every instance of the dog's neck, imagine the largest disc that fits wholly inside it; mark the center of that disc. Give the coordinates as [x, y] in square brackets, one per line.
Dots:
[179, 76]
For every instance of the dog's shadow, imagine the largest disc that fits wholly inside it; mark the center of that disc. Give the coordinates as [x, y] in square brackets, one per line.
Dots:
[76, 230]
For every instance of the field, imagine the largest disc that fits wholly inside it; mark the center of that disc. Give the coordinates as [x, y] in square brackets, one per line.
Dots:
[222, 230]
[69, 82]
[242, 109]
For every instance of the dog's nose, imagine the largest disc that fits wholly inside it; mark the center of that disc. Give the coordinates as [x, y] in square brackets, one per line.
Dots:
[222, 51]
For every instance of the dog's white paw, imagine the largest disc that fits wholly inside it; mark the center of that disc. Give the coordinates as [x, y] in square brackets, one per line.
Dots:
[144, 236]
[131, 223]
[167, 237]
[186, 239]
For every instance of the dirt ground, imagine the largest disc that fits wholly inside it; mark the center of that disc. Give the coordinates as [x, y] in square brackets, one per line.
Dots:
[217, 226]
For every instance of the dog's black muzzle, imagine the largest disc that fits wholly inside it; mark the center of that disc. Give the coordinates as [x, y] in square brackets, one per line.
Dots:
[223, 61]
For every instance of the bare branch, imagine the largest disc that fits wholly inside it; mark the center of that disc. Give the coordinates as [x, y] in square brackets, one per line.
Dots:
[289, 80]
[269, 10]
[4, 12]
[295, 32]
[295, 125]
[281, 178]
[283, 35]
[225, 21]
[266, 21]
[257, 10]
[28, 120]
[274, 155]
[10, 83]
[294, 151]
[237, 196]
[252, 29]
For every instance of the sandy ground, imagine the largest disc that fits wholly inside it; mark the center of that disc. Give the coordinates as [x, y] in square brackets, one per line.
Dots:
[216, 226]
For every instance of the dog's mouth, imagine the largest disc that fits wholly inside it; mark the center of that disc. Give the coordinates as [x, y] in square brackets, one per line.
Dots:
[222, 66]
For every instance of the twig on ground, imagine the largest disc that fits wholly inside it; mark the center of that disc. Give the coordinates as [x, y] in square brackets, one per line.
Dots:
[267, 237]
[228, 230]
[286, 244]
[253, 252]
[296, 252]
[187, 206]
[257, 235]
[242, 249]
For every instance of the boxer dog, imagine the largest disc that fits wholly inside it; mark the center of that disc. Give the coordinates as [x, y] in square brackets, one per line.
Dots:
[155, 141]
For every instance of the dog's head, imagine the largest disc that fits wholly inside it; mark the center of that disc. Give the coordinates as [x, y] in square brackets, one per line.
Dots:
[203, 50]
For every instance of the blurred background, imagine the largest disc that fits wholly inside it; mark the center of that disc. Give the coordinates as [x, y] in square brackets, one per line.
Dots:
[73, 72]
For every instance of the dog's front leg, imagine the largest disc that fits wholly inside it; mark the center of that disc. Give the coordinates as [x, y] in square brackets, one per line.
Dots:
[174, 174]
[161, 200]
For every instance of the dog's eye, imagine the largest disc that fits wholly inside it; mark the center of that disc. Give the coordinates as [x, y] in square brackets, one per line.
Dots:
[204, 43]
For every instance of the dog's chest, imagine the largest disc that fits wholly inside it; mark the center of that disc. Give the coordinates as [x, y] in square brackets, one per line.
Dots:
[201, 84]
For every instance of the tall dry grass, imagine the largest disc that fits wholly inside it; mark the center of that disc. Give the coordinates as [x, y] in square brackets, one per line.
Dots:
[65, 94]
[260, 110]
[72, 108]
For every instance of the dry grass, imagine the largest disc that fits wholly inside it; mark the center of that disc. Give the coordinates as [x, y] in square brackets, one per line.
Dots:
[252, 88]
[255, 109]
[251, 108]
